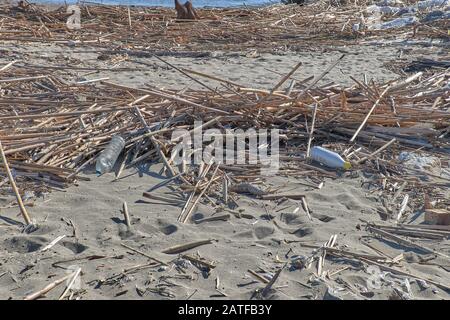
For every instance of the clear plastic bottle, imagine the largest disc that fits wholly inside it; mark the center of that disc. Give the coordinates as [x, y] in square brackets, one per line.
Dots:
[329, 158]
[108, 157]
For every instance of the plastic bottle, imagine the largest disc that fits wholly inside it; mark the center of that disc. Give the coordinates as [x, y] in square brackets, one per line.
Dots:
[108, 157]
[329, 158]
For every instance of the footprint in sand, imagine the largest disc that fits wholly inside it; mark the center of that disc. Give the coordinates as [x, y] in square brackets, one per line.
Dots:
[244, 235]
[166, 227]
[320, 198]
[262, 232]
[293, 218]
[303, 232]
[23, 244]
[300, 221]
[76, 248]
[349, 201]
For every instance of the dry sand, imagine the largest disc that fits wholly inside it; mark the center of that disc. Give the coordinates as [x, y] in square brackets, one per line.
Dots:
[249, 68]
[275, 234]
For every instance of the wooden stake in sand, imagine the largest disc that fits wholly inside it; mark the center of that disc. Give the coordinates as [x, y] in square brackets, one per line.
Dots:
[225, 189]
[308, 150]
[126, 215]
[24, 212]
[129, 17]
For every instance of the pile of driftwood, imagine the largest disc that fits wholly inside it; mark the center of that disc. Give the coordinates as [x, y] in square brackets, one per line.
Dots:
[279, 27]
[53, 130]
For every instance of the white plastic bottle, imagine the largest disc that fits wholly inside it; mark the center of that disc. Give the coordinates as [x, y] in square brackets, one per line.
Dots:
[329, 158]
[108, 157]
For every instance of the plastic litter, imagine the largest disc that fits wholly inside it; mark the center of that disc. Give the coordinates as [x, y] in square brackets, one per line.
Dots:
[108, 157]
[396, 23]
[329, 158]
[406, 15]
[420, 162]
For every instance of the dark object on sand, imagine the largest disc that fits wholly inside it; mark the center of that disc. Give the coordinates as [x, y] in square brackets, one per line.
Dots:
[425, 64]
[186, 11]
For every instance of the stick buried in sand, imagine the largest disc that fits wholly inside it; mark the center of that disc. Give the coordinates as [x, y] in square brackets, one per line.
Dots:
[186, 246]
[49, 287]
[24, 212]
[308, 149]
[71, 283]
[126, 215]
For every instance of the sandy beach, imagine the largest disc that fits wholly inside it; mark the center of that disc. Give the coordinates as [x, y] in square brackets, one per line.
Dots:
[255, 238]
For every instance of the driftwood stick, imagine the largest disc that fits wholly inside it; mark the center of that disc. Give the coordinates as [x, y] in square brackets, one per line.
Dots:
[71, 283]
[24, 212]
[293, 196]
[200, 195]
[8, 65]
[369, 113]
[280, 83]
[323, 74]
[205, 263]
[129, 17]
[225, 189]
[257, 276]
[49, 287]
[126, 215]
[329, 244]
[272, 281]
[201, 174]
[187, 75]
[155, 142]
[54, 242]
[306, 207]
[144, 254]
[223, 217]
[407, 274]
[161, 198]
[165, 182]
[122, 165]
[402, 208]
[212, 77]
[405, 242]
[308, 149]
[186, 246]
[376, 151]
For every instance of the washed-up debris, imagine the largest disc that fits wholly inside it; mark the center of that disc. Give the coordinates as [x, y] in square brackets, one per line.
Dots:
[329, 158]
[421, 162]
[424, 64]
[314, 23]
[392, 134]
[402, 16]
[51, 147]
